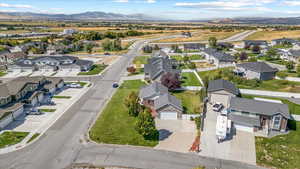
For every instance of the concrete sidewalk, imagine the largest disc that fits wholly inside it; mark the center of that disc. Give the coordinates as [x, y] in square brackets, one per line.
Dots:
[270, 93]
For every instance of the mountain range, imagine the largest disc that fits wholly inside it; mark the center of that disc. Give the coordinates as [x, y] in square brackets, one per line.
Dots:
[79, 16]
[143, 17]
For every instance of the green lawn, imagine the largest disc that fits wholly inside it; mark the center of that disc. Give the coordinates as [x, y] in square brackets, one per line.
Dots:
[141, 60]
[47, 110]
[62, 97]
[115, 126]
[282, 152]
[177, 57]
[9, 138]
[196, 57]
[190, 101]
[2, 73]
[137, 72]
[33, 137]
[294, 108]
[189, 79]
[96, 69]
[287, 74]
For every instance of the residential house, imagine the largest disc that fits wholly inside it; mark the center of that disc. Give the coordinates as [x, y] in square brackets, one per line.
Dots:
[9, 58]
[51, 63]
[29, 91]
[251, 43]
[187, 34]
[256, 70]
[194, 46]
[158, 65]
[217, 57]
[225, 45]
[220, 91]
[168, 107]
[266, 117]
[151, 92]
[255, 115]
[163, 105]
[293, 55]
[283, 41]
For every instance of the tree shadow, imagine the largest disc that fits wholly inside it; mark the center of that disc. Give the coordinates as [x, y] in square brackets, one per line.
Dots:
[164, 134]
[292, 125]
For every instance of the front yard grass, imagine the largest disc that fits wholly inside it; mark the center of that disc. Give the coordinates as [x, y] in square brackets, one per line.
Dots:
[62, 97]
[190, 101]
[282, 152]
[189, 79]
[95, 70]
[9, 138]
[115, 125]
[2, 73]
[141, 60]
[177, 57]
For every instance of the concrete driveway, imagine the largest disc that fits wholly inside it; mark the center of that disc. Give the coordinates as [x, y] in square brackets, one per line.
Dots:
[239, 147]
[176, 135]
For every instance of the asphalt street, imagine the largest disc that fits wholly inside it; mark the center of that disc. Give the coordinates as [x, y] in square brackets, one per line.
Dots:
[63, 143]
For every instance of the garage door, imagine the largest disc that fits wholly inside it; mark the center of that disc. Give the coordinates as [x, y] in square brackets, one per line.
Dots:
[243, 128]
[218, 98]
[168, 116]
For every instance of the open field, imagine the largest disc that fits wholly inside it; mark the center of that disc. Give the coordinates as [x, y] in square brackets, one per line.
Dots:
[270, 35]
[282, 152]
[115, 125]
[202, 35]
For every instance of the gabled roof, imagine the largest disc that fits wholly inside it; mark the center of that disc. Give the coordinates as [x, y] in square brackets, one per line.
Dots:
[222, 84]
[295, 53]
[285, 40]
[259, 107]
[255, 42]
[221, 56]
[167, 100]
[260, 67]
[152, 90]
[158, 65]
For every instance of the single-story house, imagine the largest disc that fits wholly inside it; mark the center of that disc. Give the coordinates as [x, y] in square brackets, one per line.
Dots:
[254, 115]
[194, 46]
[218, 58]
[283, 41]
[168, 107]
[159, 65]
[251, 43]
[220, 91]
[256, 70]
[152, 92]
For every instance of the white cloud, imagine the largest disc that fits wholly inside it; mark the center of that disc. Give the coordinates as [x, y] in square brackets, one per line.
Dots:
[121, 1]
[292, 3]
[15, 6]
[151, 1]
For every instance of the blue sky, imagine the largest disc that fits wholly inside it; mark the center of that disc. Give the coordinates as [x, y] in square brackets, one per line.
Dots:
[173, 9]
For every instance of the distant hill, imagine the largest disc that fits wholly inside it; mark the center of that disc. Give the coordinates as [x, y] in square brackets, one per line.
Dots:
[285, 21]
[79, 16]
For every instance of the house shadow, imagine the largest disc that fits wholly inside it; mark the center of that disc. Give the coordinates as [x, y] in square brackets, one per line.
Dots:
[292, 125]
[164, 134]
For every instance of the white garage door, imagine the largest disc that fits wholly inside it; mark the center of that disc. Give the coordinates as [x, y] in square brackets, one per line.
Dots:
[243, 128]
[168, 116]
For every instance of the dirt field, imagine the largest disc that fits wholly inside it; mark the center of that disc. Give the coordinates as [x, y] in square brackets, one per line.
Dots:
[270, 35]
[202, 36]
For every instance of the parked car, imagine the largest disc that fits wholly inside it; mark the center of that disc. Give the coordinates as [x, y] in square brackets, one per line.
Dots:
[217, 107]
[106, 54]
[115, 85]
[74, 85]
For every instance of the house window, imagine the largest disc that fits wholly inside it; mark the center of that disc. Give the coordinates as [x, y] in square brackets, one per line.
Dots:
[276, 122]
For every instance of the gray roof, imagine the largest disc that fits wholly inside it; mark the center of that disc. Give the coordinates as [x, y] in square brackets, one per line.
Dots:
[160, 53]
[152, 90]
[295, 53]
[259, 67]
[255, 42]
[158, 65]
[194, 45]
[167, 100]
[245, 120]
[259, 107]
[282, 40]
[221, 56]
[222, 84]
